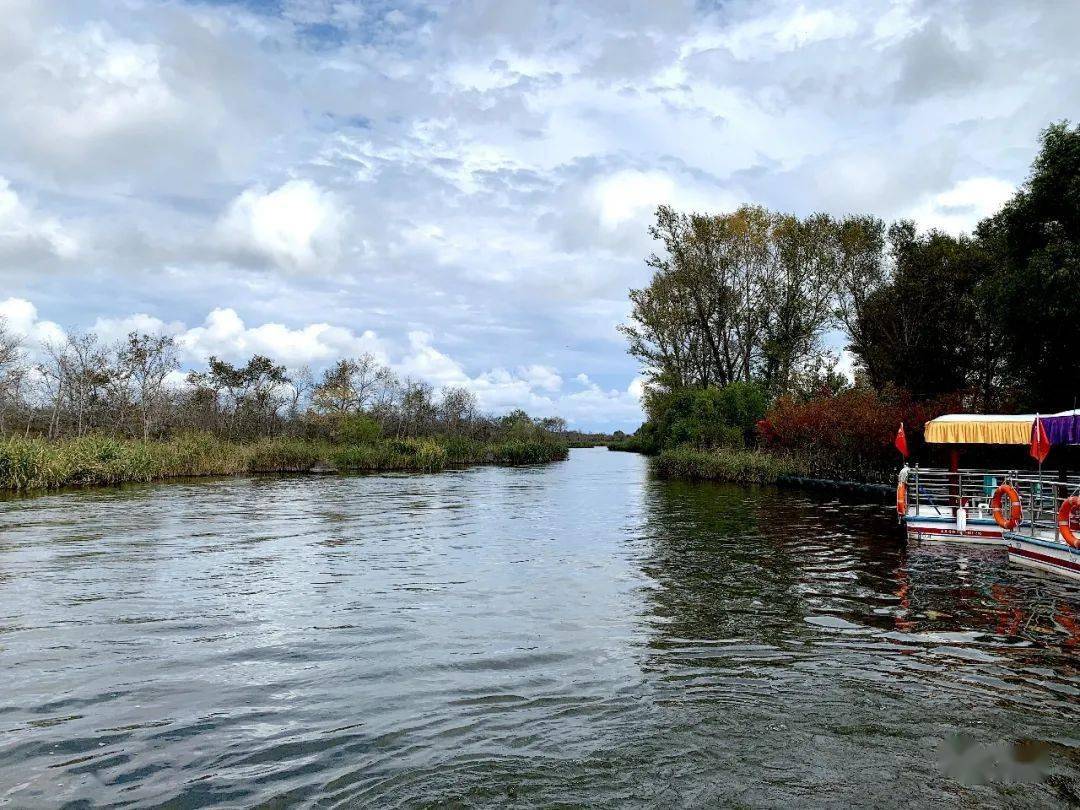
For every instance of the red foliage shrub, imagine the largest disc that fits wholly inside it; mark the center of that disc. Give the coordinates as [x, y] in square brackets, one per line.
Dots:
[850, 435]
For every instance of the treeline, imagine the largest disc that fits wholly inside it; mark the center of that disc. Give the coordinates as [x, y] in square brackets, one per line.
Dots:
[134, 389]
[92, 413]
[742, 302]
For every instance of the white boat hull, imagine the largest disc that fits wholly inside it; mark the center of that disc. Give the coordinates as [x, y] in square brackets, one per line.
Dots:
[1044, 554]
[977, 531]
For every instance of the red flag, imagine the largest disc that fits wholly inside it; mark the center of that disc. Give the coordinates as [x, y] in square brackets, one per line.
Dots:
[901, 441]
[1040, 442]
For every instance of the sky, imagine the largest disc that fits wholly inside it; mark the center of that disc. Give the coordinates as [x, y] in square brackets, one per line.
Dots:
[464, 188]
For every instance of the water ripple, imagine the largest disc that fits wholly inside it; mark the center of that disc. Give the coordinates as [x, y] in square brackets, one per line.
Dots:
[572, 634]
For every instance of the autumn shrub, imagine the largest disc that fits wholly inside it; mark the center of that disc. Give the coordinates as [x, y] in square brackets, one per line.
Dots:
[850, 435]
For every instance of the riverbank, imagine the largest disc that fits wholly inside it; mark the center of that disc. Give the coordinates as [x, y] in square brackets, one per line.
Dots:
[27, 465]
[728, 464]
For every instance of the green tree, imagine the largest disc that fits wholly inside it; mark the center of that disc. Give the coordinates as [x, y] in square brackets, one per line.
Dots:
[704, 417]
[922, 330]
[735, 297]
[1035, 291]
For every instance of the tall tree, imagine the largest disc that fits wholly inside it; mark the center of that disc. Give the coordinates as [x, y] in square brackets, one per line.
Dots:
[920, 331]
[1035, 295]
[143, 364]
[734, 297]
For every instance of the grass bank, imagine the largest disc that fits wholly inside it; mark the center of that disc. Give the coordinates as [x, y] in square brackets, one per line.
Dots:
[36, 464]
[736, 465]
[633, 444]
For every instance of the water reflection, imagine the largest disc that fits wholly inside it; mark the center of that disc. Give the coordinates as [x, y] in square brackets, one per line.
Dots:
[806, 634]
[576, 634]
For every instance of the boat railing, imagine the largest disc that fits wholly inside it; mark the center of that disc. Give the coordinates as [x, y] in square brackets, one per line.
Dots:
[940, 492]
[1042, 498]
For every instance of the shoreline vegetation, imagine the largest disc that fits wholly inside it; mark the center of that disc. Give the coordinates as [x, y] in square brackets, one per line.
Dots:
[91, 414]
[732, 465]
[34, 464]
[735, 333]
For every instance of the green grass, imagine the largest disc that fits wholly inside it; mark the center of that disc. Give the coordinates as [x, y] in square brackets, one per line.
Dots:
[37, 464]
[419, 455]
[633, 444]
[736, 465]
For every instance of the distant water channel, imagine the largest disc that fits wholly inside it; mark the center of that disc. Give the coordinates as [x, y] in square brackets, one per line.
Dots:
[578, 633]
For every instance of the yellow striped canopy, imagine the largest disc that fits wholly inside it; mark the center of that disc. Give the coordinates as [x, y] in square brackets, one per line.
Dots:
[977, 428]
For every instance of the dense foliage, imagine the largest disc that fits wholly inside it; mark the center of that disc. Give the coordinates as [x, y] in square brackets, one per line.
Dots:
[993, 315]
[849, 435]
[934, 322]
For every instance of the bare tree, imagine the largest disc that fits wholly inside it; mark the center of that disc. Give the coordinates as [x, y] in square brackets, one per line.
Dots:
[77, 376]
[12, 374]
[143, 363]
[457, 409]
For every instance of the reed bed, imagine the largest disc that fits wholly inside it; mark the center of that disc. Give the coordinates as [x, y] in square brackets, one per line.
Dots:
[37, 464]
[728, 464]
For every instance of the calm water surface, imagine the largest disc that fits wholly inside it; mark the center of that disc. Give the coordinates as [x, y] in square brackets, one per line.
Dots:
[572, 634]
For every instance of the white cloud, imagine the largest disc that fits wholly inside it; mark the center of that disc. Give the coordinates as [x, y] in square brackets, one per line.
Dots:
[425, 362]
[959, 209]
[629, 194]
[482, 173]
[111, 330]
[21, 318]
[26, 234]
[78, 89]
[224, 334]
[297, 226]
[544, 378]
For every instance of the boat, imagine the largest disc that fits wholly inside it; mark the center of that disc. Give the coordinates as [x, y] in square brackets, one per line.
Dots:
[976, 505]
[1047, 538]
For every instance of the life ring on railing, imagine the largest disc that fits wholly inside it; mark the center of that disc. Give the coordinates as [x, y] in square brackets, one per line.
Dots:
[901, 499]
[1064, 519]
[1016, 511]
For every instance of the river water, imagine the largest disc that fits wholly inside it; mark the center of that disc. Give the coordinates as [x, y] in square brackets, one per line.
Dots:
[579, 633]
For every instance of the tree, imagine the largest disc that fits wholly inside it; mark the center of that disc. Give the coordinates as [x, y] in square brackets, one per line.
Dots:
[249, 396]
[735, 297]
[76, 374]
[143, 363]
[352, 385]
[922, 330]
[861, 270]
[336, 393]
[417, 409]
[1035, 244]
[798, 295]
[457, 409]
[12, 373]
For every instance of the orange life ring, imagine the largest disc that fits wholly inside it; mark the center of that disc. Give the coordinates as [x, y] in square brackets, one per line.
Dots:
[1064, 514]
[901, 498]
[1016, 511]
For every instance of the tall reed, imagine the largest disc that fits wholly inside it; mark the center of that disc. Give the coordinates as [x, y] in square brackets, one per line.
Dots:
[36, 464]
[726, 464]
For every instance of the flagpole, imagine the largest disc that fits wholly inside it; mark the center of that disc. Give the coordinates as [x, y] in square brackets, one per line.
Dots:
[1038, 438]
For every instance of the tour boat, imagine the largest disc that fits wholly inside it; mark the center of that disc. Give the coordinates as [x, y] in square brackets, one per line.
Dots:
[956, 505]
[1048, 537]
[976, 505]
[1050, 545]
